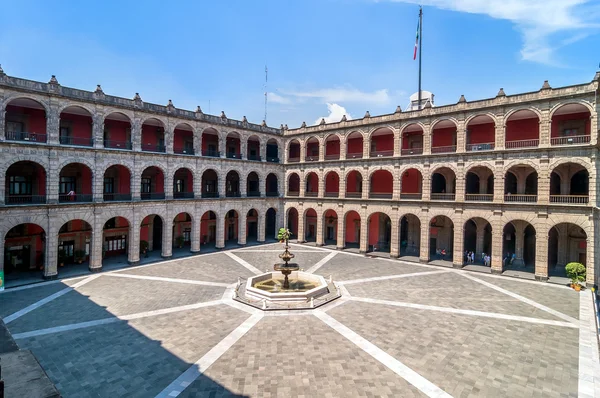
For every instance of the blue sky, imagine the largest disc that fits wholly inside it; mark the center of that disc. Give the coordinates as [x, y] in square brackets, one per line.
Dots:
[325, 57]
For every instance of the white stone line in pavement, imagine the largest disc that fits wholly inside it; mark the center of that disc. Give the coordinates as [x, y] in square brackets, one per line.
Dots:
[194, 371]
[242, 307]
[523, 299]
[424, 385]
[41, 284]
[466, 312]
[314, 248]
[171, 260]
[516, 279]
[589, 365]
[244, 263]
[321, 263]
[104, 321]
[162, 279]
[48, 299]
[383, 278]
[271, 251]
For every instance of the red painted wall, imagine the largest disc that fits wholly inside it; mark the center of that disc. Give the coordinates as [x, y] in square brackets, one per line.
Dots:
[313, 182]
[81, 126]
[150, 136]
[352, 181]
[180, 137]
[86, 180]
[208, 139]
[117, 130]
[383, 142]
[157, 179]
[293, 223]
[443, 137]
[382, 182]
[374, 229]
[332, 147]
[406, 139]
[350, 228]
[355, 145]
[524, 129]
[124, 180]
[144, 230]
[294, 183]
[40, 178]
[294, 150]
[36, 121]
[560, 118]
[312, 149]
[411, 181]
[332, 183]
[481, 133]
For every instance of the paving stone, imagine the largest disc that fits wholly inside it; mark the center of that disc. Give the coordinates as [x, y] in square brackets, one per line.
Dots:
[345, 267]
[12, 301]
[266, 260]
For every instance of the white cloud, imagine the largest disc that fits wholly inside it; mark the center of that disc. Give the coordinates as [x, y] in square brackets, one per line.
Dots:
[540, 21]
[278, 99]
[335, 114]
[342, 94]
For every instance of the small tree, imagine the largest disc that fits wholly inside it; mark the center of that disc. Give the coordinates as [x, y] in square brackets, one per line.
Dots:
[575, 271]
[283, 235]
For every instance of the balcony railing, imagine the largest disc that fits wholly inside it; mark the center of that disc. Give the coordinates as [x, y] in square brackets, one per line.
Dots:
[311, 194]
[273, 159]
[253, 194]
[76, 198]
[210, 195]
[153, 148]
[117, 144]
[489, 146]
[293, 160]
[293, 193]
[152, 195]
[334, 156]
[522, 144]
[25, 199]
[443, 196]
[354, 195]
[254, 157]
[520, 198]
[271, 194]
[77, 141]
[477, 197]
[380, 195]
[356, 155]
[233, 194]
[411, 196]
[233, 155]
[314, 158]
[183, 195]
[184, 151]
[332, 194]
[210, 153]
[577, 139]
[569, 199]
[27, 137]
[114, 197]
[411, 151]
[443, 149]
[381, 154]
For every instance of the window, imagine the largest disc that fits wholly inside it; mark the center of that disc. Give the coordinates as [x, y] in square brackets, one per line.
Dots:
[212, 148]
[115, 243]
[179, 186]
[187, 236]
[66, 185]
[188, 147]
[65, 131]
[109, 185]
[146, 185]
[14, 127]
[19, 185]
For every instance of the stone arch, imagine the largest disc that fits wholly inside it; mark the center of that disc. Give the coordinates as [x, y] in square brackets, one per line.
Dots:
[442, 119]
[84, 106]
[370, 132]
[516, 109]
[128, 114]
[82, 160]
[145, 117]
[559, 105]
[470, 118]
[26, 96]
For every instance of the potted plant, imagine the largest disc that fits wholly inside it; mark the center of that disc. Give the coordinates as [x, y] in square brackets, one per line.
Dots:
[283, 235]
[576, 272]
[179, 241]
[144, 246]
[80, 256]
[62, 257]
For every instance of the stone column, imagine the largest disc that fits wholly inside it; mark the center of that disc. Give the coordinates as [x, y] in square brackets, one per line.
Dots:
[459, 186]
[221, 183]
[51, 250]
[426, 184]
[341, 233]
[219, 231]
[2, 125]
[302, 177]
[261, 226]
[322, 145]
[563, 244]
[427, 140]
[241, 229]
[396, 183]
[53, 178]
[167, 238]
[364, 233]
[461, 137]
[342, 185]
[541, 252]
[397, 144]
[169, 139]
[543, 187]
[366, 147]
[53, 123]
[195, 233]
[424, 255]
[499, 186]
[301, 222]
[168, 185]
[458, 248]
[320, 230]
[244, 148]
[519, 242]
[366, 187]
[479, 241]
[223, 145]
[395, 237]
[133, 246]
[136, 135]
[302, 151]
[343, 147]
[197, 142]
[321, 180]
[545, 129]
[590, 254]
[244, 186]
[98, 130]
[594, 129]
[96, 242]
[497, 256]
[500, 135]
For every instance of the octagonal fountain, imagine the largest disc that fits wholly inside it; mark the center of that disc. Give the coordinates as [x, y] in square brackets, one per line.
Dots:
[288, 287]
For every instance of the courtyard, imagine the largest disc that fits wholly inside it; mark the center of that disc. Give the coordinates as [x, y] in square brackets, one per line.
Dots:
[400, 329]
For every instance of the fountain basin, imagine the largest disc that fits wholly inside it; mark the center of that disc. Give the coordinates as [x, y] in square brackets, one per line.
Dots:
[269, 286]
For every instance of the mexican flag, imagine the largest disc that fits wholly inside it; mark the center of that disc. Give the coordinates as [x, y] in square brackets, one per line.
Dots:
[416, 42]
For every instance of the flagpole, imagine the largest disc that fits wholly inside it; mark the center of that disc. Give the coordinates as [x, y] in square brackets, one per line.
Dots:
[420, 43]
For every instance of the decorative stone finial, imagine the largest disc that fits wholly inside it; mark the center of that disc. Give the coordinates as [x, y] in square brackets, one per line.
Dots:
[99, 89]
[322, 121]
[244, 120]
[53, 80]
[223, 115]
[264, 123]
[285, 127]
[462, 99]
[546, 85]
[344, 118]
[281, 127]
[398, 109]
[198, 109]
[427, 105]
[595, 79]
[501, 93]
[367, 115]
[170, 104]
[2, 71]
[137, 97]
[303, 125]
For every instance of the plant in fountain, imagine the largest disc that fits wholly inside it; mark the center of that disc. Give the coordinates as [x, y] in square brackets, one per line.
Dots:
[286, 269]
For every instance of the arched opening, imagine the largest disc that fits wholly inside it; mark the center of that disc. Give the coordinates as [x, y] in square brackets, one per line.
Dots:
[441, 238]
[518, 246]
[379, 232]
[520, 184]
[354, 145]
[24, 252]
[210, 143]
[25, 120]
[352, 235]
[312, 150]
[522, 130]
[183, 184]
[271, 224]
[294, 151]
[151, 233]
[412, 185]
[183, 139]
[567, 243]
[153, 136]
[76, 127]
[231, 226]
[251, 226]
[75, 183]
[571, 124]
[271, 185]
[25, 183]
[310, 225]
[382, 185]
[382, 143]
[152, 184]
[312, 184]
[293, 185]
[443, 183]
[117, 184]
[479, 184]
[74, 245]
[252, 185]
[332, 147]
[208, 229]
[115, 241]
[569, 184]
[232, 185]
[477, 242]
[292, 222]
[117, 131]
[232, 146]
[182, 231]
[332, 185]
[354, 182]
[412, 140]
[481, 133]
[410, 236]
[330, 227]
[273, 151]
[443, 139]
[253, 148]
[210, 187]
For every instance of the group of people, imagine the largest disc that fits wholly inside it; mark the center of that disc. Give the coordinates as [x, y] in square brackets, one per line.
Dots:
[509, 258]
[470, 258]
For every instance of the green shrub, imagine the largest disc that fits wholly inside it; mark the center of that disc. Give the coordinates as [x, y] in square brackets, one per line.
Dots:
[575, 271]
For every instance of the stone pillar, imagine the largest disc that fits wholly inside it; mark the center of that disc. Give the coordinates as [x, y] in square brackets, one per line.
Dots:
[133, 244]
[427, 140]
[499, 186]
[341, 233]
[395, 237]
[461, 137]
[96, 242]
[2, 125]
[301, 176]
[136, 135]
[244, 186]
[366, 186]
[241, 229]
[543, 187]
[479, 241]
[497, 256]
[396, 183]
[343, 147]
[52, 178]
[322, 150]
[197, 142]
[424, 255]
[342, 185]
[458, 248]
[594, 129]
[301, 222]
[223, 144]
[426, 184]
[541, 252]
[221, 183]
[367, 147]
[364, 233]
[545, 129]
[321, 187]
[219, 224]
[195, 233]
[169, 139]
[98, 130]
[302, 151]
[167, 238]
[590, 259]
[500, 135]
[168, 185]
[519, 242]
[51, 250]
[397, 144]
[563, 244]
[261, 226]
[459, 186]
[320, 230]
[244, 148]
[53, 123]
